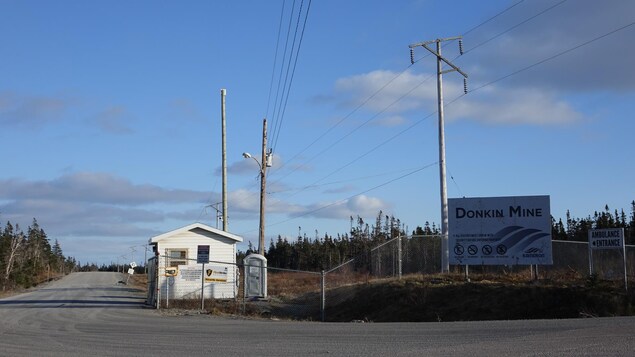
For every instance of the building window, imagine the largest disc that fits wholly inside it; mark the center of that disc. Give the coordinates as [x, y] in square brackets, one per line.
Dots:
[176, 257]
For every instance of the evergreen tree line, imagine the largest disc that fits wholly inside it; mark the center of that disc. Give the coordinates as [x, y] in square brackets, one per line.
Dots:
[27, 259]
[577, 229]
[327, 251]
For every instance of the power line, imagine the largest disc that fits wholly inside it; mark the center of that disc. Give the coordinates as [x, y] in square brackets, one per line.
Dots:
[341, 181]
[343, 119]
[399, 99]
[286, 45]
[403, 96]
[353, 196]
[373, 95]
[361, 125]
[493, 17]
[515, 26]
[278, 121]
[275, 59]
[554, 56]
[276, 117]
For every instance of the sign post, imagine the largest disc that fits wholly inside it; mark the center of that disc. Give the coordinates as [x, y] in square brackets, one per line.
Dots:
[609, 238]
[202, 257]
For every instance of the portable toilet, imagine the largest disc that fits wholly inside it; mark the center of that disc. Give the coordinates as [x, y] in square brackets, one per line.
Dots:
[255, 276]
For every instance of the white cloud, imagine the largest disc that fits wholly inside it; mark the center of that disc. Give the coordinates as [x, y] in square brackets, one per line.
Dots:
[514, 106]
[406, 91]
[492, 104]
[95, 204]
[361, 205]
[94, 188]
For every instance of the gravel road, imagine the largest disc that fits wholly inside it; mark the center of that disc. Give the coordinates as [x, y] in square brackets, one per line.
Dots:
[91, 314]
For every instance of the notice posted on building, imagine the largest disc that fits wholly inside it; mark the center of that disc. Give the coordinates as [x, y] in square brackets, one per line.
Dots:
[500, 230]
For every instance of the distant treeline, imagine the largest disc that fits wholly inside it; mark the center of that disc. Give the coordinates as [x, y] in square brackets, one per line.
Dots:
[577, 229]
[27, 259]
[327, 251]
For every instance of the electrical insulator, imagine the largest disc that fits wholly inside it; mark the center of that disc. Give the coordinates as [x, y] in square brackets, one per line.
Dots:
[465, 85]
[412, 56]
[461, 47]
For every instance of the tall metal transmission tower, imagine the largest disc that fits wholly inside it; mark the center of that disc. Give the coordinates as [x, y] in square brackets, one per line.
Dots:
[445, 253]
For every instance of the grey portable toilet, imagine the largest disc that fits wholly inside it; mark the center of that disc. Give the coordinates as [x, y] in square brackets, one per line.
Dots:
[255, 276]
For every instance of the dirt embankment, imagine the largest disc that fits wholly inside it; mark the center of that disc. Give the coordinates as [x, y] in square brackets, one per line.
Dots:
[418, 299]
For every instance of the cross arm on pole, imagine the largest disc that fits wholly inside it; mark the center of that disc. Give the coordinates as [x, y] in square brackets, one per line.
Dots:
[425, 45]
[454, 68]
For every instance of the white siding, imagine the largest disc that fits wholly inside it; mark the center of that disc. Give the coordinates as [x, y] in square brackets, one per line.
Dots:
[222, 249]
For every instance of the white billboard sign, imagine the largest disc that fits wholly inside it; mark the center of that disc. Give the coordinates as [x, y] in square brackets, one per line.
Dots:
[611, 238]
[500, 230]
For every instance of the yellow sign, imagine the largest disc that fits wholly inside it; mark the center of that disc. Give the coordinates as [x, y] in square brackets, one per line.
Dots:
[171, 271]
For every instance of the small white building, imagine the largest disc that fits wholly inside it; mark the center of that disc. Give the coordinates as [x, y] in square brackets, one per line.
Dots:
[180, 276]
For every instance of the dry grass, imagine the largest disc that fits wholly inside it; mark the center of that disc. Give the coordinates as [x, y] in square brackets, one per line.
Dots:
[427, 297]
[139, 281]
[289, 285]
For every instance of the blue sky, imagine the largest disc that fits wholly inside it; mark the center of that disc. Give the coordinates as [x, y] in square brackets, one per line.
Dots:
[110, 113]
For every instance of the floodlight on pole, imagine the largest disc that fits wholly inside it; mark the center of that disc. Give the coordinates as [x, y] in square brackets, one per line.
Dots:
[262, 166]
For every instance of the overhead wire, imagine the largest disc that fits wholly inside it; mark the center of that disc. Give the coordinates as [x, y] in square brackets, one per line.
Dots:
[515, 26]
[585, 43]
[449, 103]
[366, 122]
[275, 58]
[363, 103]
[287, 66]
[452, 102]
[368, 99]
[341, 181]
[284, 95]
[393, 103]
[278, 127]
[493, 17]
[351, 197]
[284, 55]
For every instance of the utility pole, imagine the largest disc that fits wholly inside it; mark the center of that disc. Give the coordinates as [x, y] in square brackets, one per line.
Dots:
[265, 161]
[223, 92]
[445, 252]
[263, 177]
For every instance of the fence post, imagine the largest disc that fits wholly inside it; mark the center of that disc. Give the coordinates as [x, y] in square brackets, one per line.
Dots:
[156, 281]
[323, 303]
[203, 287]
[399, 256]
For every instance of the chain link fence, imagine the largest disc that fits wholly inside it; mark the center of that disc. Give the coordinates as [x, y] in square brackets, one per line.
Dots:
[218, 287]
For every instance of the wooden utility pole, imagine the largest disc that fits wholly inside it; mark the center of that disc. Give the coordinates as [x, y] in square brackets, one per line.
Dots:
[263, 177]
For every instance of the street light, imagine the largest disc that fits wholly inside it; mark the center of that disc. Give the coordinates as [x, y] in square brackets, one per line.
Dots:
[262, 169]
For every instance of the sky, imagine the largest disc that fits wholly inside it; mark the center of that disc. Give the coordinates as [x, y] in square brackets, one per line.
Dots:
[110, 115]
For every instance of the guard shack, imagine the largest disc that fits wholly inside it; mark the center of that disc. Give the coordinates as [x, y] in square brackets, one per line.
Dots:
[255, 276]
[176, 273]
